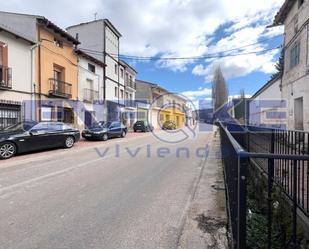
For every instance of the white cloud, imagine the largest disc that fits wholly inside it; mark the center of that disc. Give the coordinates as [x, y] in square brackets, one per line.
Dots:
[177, 28]
[202, 94]
[241, 66]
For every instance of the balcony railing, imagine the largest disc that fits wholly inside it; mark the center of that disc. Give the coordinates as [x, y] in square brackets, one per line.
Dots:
[90, 95]
[60, 89]
[5, 77]
[131, 84]
[130, 103]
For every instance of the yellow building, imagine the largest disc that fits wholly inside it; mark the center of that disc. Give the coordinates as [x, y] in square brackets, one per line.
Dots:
[56, 73]
[162, 105]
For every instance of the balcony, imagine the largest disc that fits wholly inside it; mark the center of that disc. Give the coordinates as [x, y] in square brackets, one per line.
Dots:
[60, 89]
[130, 103]
[90, 95]
[5, 78]
[131, 84]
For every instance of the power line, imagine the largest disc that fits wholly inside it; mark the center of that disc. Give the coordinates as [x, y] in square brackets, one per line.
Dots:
[209, 56]
[185, 58]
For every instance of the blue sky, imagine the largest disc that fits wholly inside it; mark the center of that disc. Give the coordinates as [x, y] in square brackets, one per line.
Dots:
[182, 28]
[178, 81]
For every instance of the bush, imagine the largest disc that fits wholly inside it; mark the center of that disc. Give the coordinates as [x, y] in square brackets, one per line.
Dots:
[169, 125]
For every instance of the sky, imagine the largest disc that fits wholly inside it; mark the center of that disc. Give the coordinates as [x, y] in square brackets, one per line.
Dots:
[182, 28]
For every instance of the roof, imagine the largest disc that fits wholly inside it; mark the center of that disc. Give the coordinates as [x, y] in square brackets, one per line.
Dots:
[15, 33]
[268, 84]
[123, 63]
[154, 85]
[284, 11]
[106, 21]
[147, 82]
[47, 23]
[89, 57]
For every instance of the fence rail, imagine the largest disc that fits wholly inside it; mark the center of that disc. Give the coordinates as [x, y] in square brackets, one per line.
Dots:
[284, 164]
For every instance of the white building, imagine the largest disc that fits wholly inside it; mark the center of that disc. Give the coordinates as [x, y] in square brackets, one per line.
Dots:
[16, 71]
[294, 15]
[90, 89]
[127, 79]
[100, 39]
[267, 107]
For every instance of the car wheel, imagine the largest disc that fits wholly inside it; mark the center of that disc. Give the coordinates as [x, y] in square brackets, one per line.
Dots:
[123, 134]
[7, 150]
[69, 142]
[135, 130]
[105, 137]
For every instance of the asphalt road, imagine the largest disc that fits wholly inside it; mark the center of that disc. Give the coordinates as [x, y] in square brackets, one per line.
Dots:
[119, 194]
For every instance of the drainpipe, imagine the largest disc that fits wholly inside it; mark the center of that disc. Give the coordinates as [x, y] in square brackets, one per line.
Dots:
[32, 106]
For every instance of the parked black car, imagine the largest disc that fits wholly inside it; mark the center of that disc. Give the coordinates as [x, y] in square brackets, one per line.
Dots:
[105, 130]
[142, 126]
[32, 136]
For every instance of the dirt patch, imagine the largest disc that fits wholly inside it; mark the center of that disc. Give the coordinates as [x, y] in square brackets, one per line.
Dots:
[209, 224]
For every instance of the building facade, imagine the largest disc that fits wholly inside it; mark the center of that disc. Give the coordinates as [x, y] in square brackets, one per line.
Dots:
[267, 107]
[127, 96]
[159, 105]
[54, 68]
[294, 15]
[16, 91]
[101, 40]
[90, 90]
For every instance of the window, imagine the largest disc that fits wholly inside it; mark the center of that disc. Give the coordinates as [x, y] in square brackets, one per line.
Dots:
[294, 55]
[4, 77]
[58, 73]
[130, 96]
[58, 43]
[127, 95]
[68, 116]
[121, 93]
[300, 3]
[91, 68]
[295, 21]
[116, 69]
[116, 91]
[121, 73]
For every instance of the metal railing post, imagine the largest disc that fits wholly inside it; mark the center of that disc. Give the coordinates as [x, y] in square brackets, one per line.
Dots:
[242, 203]
[294, 233]
[248, 139]
[270, 179]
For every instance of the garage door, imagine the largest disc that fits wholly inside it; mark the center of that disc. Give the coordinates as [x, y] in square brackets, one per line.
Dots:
[155, 120]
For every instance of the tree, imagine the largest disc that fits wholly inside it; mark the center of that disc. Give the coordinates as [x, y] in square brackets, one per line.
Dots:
[219, 89]
[279, 66]
[242, 94]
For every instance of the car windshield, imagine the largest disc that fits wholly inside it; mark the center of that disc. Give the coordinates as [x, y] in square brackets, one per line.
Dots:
[97, 124]
[24, 126]
[107, 124]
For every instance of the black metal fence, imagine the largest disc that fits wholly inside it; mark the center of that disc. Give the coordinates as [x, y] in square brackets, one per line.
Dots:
[282, 157]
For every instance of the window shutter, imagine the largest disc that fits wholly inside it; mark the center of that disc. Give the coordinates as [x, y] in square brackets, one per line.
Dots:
[4, 61]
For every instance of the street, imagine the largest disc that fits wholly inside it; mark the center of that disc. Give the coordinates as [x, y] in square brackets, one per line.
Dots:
[124, 193]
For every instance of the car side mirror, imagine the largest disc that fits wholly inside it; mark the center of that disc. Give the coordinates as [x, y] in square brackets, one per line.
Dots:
[34, 133]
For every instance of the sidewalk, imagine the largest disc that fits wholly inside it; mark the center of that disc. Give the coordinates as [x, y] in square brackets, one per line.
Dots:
[206, 222]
